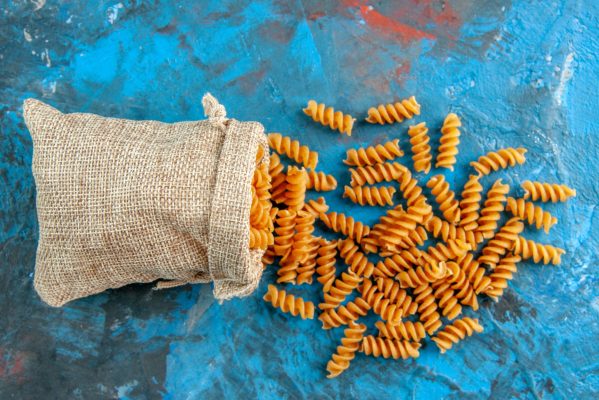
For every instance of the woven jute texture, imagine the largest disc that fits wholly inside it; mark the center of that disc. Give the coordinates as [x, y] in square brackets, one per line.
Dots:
[121, 201]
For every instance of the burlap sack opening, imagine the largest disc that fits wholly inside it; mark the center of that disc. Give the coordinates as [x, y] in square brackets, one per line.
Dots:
[123, 201]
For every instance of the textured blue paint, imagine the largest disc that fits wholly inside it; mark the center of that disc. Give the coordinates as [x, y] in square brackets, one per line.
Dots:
[520, 74]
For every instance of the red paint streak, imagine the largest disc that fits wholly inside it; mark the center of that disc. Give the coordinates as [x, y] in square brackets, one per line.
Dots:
[11, 365]
[386, 25]
[408, 20]
[316, 15]
[403, 69]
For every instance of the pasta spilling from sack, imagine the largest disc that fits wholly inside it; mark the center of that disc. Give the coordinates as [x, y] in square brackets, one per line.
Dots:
[418, 290]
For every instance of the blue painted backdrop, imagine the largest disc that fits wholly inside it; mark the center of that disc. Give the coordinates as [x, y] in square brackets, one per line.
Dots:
[520, 73]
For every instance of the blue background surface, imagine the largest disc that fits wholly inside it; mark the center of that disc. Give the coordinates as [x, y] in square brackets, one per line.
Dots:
[520, 73]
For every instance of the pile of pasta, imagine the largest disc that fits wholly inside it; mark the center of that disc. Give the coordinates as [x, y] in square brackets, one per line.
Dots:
[418, 291]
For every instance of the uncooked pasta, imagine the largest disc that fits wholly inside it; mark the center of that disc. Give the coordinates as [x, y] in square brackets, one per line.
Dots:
[437, 263]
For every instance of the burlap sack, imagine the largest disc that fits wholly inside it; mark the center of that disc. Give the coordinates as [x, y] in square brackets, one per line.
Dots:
[122, 201]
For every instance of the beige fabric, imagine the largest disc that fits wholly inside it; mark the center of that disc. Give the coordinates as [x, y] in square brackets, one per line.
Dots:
[122, 201]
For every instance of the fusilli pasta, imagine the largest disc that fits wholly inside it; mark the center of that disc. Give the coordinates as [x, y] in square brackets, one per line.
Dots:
[450, 139]
[372, 155]
[326, 262]
[501, 243]
[531, 213]
[491, 212]
[546, 192]
[321, 182]
[356, 260]
[427, 308]
[445, 197]
[382, 347]
[327, 116]
[393, 112]
[374, 196]
[284, 145]
[538, 252]
[371, 174]
[295, 193]
[338, 222]
[342, 315]
[455, 332]
[379, 304]
[501, 275]
[408, 330]
[350, 344]
[470, 203]
[289, 303]
[421, 149]
[494, 161]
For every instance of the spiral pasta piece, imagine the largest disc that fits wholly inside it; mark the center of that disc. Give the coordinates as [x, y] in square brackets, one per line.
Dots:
[391, 290]
[356, 260]
[321, 182]
[307, 268]
[393, 112]
[289, 303]
[533, 214]
[502, 242]
[383, 347]
[304, 226]
[380, 305]
[421, 149]
[464, 290]
[268, 258]
[342, 315]
[391, 266]
[350, 344]
[316, 207]
[284, 145]
[259, 213]
[260, 238]
[374, 196]
[295, 193]
[277, 174]
[494, 161]
[260, 154]
[446, 231]
[427, 308]
[397, 225]
[261, 182]
[450, 139]
[284, 232]
[470, 203]
[338, 222]
[371, 174]
[546, 192]
[493, 207]
[407, 330]
[501, 275]
[373, 155]
[415, 238]
[326, 261]
[455, 332]
[414, 277]
[369, 244]
[446, 298]
[538, 252]
[453, 249]
[445, 197]
[327, 116]
[474, 272]
[411, 190]
[340, 289]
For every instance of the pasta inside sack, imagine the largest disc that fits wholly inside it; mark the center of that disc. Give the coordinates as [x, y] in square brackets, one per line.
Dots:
[443, 252]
